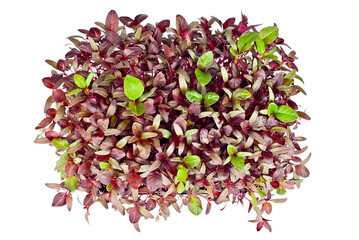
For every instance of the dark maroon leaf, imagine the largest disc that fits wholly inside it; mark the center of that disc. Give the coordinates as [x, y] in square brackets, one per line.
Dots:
[160, 80]
[229, 22]
[163, 25]
[112, 20]
[140, 18]
[58, 95]
[59, 200]
[132, 52]
[181, 25]
[127, 21]
[47, 82]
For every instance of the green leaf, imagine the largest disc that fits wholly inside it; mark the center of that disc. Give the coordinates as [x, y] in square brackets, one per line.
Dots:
[147, 95]
[133, 87]
[231, 150]
[77, 90]
[286, 114]
[165, 132]
[182, 173]
[60, 144]
[195, 205]
[254, 201]
[245, 41]
[271, 94]
[242, 94]
[290, 75]
[205, 61]
[191, 161]
[210, 98]
[228, 159]
[192, 96]
[203, 77]
[61, 160]
[80, 81]
[89, 79]
[233, 44]
[244, 154]
[224, 74]
[104, 165]
[238, 162]
[281, 191]
[193, 55]
[137, 108]
[234, 52]
[229, 93]
[71, 183]
[268, 34]
[272, 108]
[180, 187]
[261, 47]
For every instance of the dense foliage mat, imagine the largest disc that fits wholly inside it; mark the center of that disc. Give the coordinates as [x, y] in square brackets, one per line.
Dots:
[149, 117]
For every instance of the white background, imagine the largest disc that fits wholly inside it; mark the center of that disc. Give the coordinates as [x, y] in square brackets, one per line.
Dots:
[325, 36]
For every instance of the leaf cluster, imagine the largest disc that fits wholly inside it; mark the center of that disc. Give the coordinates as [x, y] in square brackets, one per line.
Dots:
[146, 116]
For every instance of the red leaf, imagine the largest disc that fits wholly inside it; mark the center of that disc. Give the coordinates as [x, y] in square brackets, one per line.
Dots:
[105, 177]
[229, 22]
[181, 25]
[47, 82]
[134, 180]
[89, 199]
[163, 25]
[260, 225]
[154, 181]
[134, 214]
[117, 153]
[267, 207]
[69, 201]
[150, 204]
[51, 135]
[112, 21]
[132, 52]
[44, 123]
[302, 171]
[59, 200]
[84, 168]
[160, 80]
[58, 95]
[139, 18]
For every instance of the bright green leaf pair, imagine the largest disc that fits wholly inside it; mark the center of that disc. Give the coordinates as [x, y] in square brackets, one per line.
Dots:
[284, 113]
[266, 36]
[209, 98]
[134, 90]
[81, 82]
